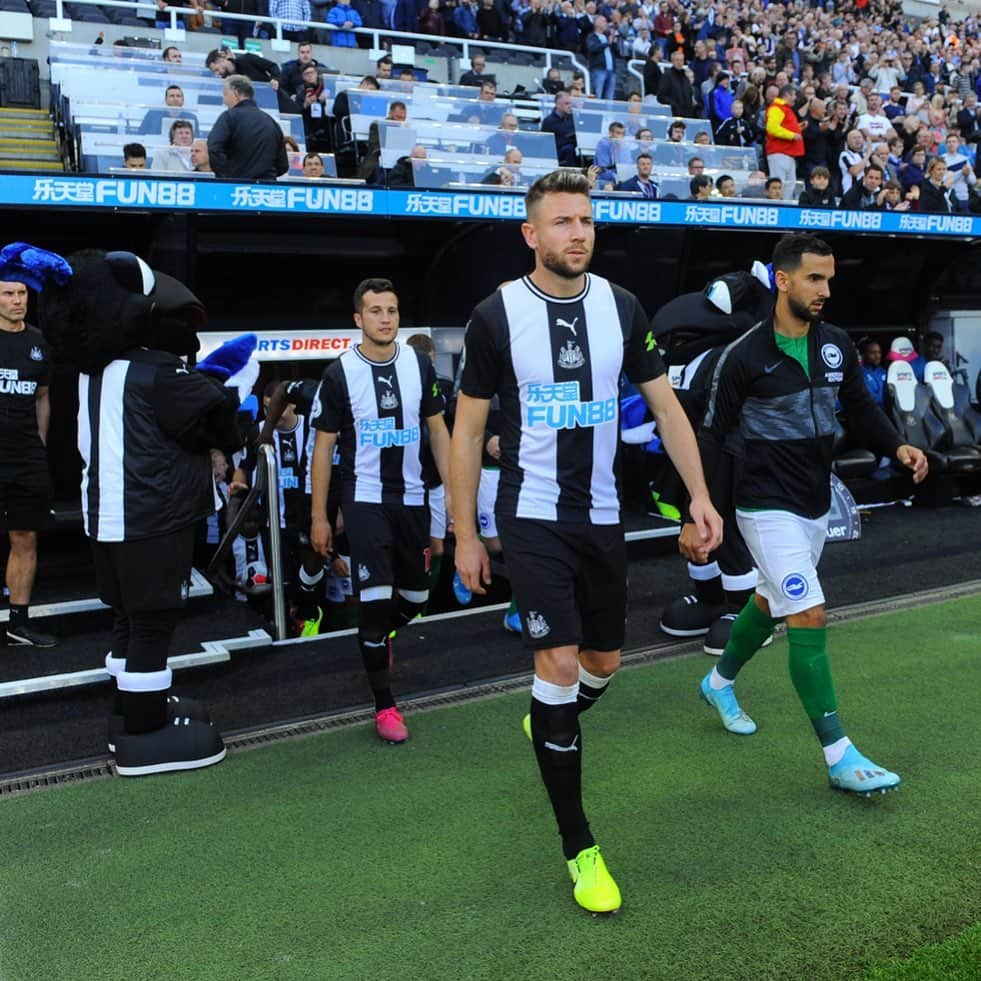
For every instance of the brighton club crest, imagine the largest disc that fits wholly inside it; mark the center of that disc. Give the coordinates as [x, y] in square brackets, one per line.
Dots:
[570, 356]
[537, 625]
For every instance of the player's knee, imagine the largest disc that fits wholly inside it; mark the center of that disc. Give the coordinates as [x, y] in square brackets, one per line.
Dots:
[600, 664]
[23, 542]
[558, 665]
[812, 619]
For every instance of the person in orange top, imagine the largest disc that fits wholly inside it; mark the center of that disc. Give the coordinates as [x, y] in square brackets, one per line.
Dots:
[784, 142]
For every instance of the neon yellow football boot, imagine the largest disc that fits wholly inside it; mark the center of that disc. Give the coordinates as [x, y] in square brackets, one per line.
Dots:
[593, 886]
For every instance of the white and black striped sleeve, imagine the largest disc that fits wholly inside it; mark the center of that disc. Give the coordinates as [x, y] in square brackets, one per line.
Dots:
[333, 400]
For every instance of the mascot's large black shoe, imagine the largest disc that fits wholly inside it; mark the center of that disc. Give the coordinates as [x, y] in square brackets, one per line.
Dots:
[718, 635]
[688, 616]
[184, 744]
[176, 706]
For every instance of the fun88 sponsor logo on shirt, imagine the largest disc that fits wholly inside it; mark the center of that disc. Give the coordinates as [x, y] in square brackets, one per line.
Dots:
[383, 434]
[557, 406]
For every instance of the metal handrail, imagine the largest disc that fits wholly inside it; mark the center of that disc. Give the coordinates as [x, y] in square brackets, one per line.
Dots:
[279, 43]
[266, 483]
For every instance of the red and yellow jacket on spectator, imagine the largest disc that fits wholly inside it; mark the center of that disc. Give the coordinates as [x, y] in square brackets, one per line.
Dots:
[782, 125]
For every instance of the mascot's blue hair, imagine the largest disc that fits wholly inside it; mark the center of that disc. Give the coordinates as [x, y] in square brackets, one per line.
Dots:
[34, 267]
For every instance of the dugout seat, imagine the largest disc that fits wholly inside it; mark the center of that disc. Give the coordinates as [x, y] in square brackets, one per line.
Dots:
[911, 405]
[959, 435]
[850, 464]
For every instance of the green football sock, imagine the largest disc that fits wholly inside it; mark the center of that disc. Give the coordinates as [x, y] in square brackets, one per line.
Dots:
[749, 630]
[810, 671]
[513, 608]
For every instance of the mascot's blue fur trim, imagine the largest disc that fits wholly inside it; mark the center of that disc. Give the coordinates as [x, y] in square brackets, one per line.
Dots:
[34, 267]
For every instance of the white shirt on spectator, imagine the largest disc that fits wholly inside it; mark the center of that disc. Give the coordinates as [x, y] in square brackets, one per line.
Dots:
[875, 125]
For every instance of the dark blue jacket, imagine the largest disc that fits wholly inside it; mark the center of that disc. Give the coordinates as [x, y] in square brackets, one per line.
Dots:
[563, 128]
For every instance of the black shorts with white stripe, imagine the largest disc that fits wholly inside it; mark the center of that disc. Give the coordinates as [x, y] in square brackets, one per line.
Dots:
[389, 545]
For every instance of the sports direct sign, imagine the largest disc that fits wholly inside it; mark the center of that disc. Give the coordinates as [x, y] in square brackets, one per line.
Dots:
[295, 345]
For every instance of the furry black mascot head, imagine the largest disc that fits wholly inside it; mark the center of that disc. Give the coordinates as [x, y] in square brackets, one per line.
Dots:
[114, 302]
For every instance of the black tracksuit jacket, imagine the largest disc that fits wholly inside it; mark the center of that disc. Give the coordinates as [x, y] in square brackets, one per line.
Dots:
[787, 420]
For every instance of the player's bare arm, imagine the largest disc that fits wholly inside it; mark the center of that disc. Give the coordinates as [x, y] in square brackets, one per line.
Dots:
[439, 443]
[679, 439]
[323, 453]
[43, 409]
[466, 449]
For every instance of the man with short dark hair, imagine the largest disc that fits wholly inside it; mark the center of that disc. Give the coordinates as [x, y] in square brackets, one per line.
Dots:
[779, 386]
[375, 399]
[291, 72]
[155, 119]
[773, 189]
[700, 187]
[552, 345]
[246, 143]
[675, 88]
[641, 181]
[863, 195]
[134, 156]
[474, 75]
[25, 484]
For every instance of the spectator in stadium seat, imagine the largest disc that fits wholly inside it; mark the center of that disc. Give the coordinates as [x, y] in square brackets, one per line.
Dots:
[297, 9]
[969, 118]
[177, 156]
[700, 187]
[475, 74]
[172, 55]
[155, 119]
[291, 70]
[560, 124]
[343, 16]
[465, 20]
[565, 27]
[311, 100]
[675, 88]
[872, 371]
[936, 192]
[611, 150]
[676, 131]
[641, 182]
[602, 60]
[853, 160]
[892, 199]
[818, 192]
[725, 186]
[507, 174]
[534, 24]
[499, 142]
[784, 140]
[490, 23]
[773, 189]
[134, 156]
[737, 130]
[817, 147]
[720, 101]
[200, 161]
[403, 173]
[913, 172]
[755, 186]
[313, 165]
[863, 195]
[959, 165]
[874, 123]
[246, 143]
[894, 107]
[372, 13]
[696, 166]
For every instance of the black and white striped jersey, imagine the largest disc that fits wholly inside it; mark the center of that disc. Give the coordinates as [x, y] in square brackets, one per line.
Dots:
[556, 364]
[377, 410]
[138, 480]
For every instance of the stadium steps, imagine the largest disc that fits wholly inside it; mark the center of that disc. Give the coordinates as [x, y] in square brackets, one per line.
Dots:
[27, 141]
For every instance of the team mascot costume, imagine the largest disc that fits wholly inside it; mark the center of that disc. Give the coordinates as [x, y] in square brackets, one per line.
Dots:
[146, 426]
[699, 326]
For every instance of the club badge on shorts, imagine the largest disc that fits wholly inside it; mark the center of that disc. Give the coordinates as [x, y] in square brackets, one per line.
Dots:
[794, 586]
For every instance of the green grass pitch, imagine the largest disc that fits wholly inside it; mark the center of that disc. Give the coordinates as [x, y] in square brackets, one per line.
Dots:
[337, 857]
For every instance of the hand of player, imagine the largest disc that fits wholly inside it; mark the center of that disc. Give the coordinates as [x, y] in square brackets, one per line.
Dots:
[493, 447]
[708, 525]
[320, 536]
[915, 460]
[340, 568]
[473, 564]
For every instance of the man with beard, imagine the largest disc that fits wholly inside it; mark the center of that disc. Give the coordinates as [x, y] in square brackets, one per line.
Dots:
[552, 346]
[779, 383]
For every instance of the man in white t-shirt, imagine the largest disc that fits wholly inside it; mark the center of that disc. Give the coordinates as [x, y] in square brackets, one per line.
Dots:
[874, 124]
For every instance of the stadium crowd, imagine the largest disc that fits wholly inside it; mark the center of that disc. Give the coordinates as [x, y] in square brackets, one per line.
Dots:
[852, 104]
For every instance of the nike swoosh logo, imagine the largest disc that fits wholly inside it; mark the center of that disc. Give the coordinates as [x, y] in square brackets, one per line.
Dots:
[564, 749]
[770, 368]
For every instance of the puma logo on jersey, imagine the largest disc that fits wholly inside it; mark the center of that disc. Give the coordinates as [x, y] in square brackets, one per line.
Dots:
[387, 381]
[559, 322]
